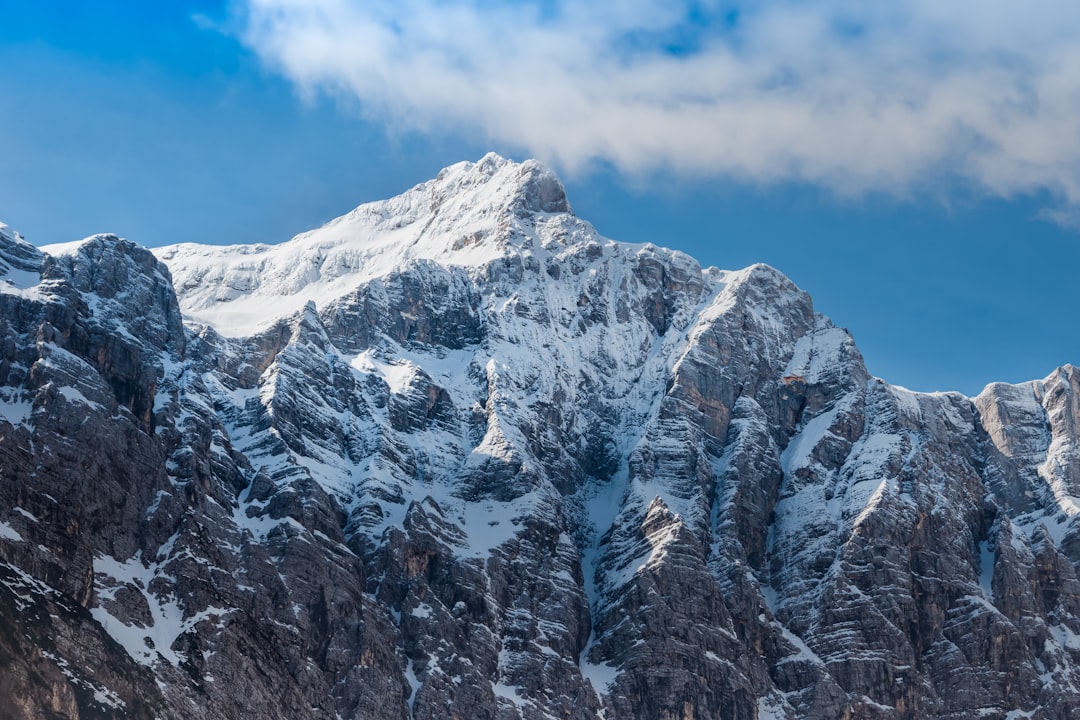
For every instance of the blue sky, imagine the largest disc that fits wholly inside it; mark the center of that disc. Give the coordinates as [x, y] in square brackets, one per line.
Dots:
[915, 169]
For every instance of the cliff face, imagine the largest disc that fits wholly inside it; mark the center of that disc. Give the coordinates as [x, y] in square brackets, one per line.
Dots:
[457, 455]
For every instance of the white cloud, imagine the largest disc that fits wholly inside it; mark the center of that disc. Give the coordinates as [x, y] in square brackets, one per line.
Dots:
[855, 95]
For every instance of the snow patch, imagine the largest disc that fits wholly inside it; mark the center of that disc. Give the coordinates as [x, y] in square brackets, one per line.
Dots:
[396, 374]
[1066, 638]
[508, 692]
[771, 708]
[169, 620]
[64, 248]
[9, 533]
[798, 452]
[818, 354]
[15, 411]
[414, 683]
[73, 395]
[19, 282]
[601, 676]
[25, 513]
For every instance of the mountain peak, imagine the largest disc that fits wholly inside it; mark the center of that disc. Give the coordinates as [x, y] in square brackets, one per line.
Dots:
[494, 182]
[469, 215]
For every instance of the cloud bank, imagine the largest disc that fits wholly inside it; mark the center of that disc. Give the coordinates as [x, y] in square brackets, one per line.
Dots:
[855, 95]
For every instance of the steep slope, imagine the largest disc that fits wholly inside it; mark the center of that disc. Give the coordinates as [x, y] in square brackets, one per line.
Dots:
[456, 454]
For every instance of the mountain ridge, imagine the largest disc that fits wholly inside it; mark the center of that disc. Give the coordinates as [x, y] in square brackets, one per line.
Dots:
[457, 218]
[508, 468]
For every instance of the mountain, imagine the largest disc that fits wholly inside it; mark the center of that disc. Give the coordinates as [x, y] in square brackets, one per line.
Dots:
[456, 455]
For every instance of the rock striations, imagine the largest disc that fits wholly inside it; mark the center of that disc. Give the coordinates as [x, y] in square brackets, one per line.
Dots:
[455, 455]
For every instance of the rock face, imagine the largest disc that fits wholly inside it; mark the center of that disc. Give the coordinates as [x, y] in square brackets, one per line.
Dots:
[457, 455]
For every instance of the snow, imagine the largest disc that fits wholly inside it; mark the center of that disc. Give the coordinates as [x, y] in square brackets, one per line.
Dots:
[601, 676]
[397, 374]
[601, 504]
[798, 452]
[802, 650]
[1055, 469]
[414, 683]
[73, 395]
[26, 514]
[447, 368]
[65, 248]
[15, 280]
[508, 692]
[1030, 423]
[168, 618]
[1066, 638]
[21, 283]
[15, 411]
[771, 708]
[107, 697]
[102, 695]
[161, 495]
[908, 403]
[9, 533]
[819, 354]
[867, 485]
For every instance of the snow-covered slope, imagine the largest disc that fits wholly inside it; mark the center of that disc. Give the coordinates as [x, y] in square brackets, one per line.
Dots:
[455, 453]
[20, 262]
[457, 220]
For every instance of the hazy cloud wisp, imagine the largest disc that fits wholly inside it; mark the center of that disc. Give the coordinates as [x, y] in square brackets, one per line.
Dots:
[856, 96]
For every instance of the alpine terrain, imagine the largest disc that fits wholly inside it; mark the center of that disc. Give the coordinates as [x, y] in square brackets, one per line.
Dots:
[456, 455]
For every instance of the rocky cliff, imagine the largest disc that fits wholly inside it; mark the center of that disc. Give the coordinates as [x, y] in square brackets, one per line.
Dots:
[457, 455]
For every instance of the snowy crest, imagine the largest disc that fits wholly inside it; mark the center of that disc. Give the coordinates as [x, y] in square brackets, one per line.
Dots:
[468, 216]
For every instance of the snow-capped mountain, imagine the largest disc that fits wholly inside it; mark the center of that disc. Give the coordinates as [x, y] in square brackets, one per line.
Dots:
[455, 454]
